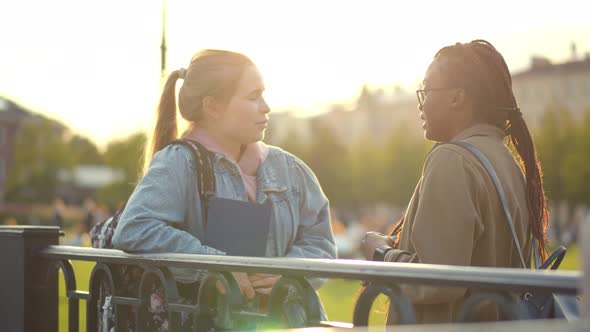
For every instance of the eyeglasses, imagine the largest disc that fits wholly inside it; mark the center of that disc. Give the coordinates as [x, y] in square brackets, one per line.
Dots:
[421, 94]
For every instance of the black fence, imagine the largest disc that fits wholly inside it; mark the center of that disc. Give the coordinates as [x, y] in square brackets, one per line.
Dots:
[30, 260]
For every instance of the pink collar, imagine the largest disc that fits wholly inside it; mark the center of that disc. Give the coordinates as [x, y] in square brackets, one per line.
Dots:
[253, 155]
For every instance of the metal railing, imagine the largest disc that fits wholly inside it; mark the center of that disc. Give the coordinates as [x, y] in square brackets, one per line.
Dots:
[292, 302]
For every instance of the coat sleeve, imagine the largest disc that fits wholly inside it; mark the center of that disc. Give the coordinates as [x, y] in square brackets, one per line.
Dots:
[447, 221]
[154, 216]
[314, 237]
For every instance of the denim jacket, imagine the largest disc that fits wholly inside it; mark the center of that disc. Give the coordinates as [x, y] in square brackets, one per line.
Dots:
[164, 212]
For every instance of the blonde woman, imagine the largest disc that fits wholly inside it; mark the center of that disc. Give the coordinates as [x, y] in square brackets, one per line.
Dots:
[221, 97]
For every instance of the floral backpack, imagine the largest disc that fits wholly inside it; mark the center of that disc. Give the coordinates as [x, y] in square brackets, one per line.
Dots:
[101, 236]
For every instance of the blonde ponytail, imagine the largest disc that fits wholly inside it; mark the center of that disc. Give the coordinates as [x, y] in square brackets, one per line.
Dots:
[166, 128]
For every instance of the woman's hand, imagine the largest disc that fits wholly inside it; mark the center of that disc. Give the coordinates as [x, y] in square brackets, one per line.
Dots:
[372, 240]
[250, 284]
[263, 283]
[246, 287]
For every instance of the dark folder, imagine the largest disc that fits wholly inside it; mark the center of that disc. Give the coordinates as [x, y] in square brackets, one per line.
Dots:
[239, 228]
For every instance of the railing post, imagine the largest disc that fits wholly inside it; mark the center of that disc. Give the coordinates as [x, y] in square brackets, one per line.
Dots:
[28, 287]
[584, 242]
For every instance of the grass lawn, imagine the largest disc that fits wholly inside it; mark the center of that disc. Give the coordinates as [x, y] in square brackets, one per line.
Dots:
[337, 295]
[83, 271]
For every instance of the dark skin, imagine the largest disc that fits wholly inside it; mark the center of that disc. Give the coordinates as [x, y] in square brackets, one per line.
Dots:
[373, 240]
[252, 284]
[445, 113]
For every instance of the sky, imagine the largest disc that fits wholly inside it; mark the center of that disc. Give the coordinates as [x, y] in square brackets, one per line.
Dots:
[95, 65]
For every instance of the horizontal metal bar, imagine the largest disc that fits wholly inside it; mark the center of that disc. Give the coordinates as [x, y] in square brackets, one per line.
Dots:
[82, 295]
[130, 301]
[188, 308]
[514, 279]
[339, 325]
[31, 231]
[176, 307]
[247, 314]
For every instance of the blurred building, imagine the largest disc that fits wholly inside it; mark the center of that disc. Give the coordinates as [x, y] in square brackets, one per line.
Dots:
[285, 126]
[545, 83]
[375, 115]
[377, 112]
[81, 182]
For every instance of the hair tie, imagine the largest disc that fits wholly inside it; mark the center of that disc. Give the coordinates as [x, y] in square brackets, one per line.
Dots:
[181, 73]
[513, 112]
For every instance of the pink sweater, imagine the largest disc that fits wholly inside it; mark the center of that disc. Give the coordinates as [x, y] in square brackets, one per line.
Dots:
[253, 155]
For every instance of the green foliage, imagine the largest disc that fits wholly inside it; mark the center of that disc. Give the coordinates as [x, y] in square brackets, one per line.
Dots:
[577, 164]
[115, 194]
[365, 172]
[293, 144]
[553, 141]
[329, 160]
[367, 158]
[42, 149]
[84, 151]
[39, 152]
[355, 175]
[127, 155]
[406, 155]
[562, 146]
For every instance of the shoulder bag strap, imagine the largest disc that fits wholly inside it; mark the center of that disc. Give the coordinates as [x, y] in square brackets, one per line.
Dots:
[490, 169]
[204, 170]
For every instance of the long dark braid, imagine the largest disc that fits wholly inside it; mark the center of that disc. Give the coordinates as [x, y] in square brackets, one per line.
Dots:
[485, 72]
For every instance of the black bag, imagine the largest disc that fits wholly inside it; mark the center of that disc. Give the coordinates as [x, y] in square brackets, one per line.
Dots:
[101, 235]
[538, 305]
[543, 305]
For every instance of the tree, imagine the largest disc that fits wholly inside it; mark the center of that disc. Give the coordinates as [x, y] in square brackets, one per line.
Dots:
[368, 171]
[329, 160]
[40, 151]
[554, 138]
[576, 166]
[84, 151]
[406, 154]
[293, 144]
[126, 155]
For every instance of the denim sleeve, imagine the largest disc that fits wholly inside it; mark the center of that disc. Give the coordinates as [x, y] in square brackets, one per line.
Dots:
[314, 237]
[153, 220]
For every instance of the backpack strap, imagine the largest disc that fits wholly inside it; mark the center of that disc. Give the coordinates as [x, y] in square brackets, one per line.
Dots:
[204, 172]
[490, 169]
[537, 255]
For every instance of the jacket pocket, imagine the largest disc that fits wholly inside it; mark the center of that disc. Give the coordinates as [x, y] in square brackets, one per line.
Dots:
[283, 227]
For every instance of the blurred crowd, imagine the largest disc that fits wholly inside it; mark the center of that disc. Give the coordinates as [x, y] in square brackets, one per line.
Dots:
[76, 221]
[348, 226]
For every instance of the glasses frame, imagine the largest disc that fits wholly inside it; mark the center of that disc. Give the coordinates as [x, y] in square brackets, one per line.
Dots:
[421, 94]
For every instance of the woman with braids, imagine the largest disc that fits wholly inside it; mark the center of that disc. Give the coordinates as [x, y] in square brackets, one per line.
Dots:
[222, 99]
[455, 215]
